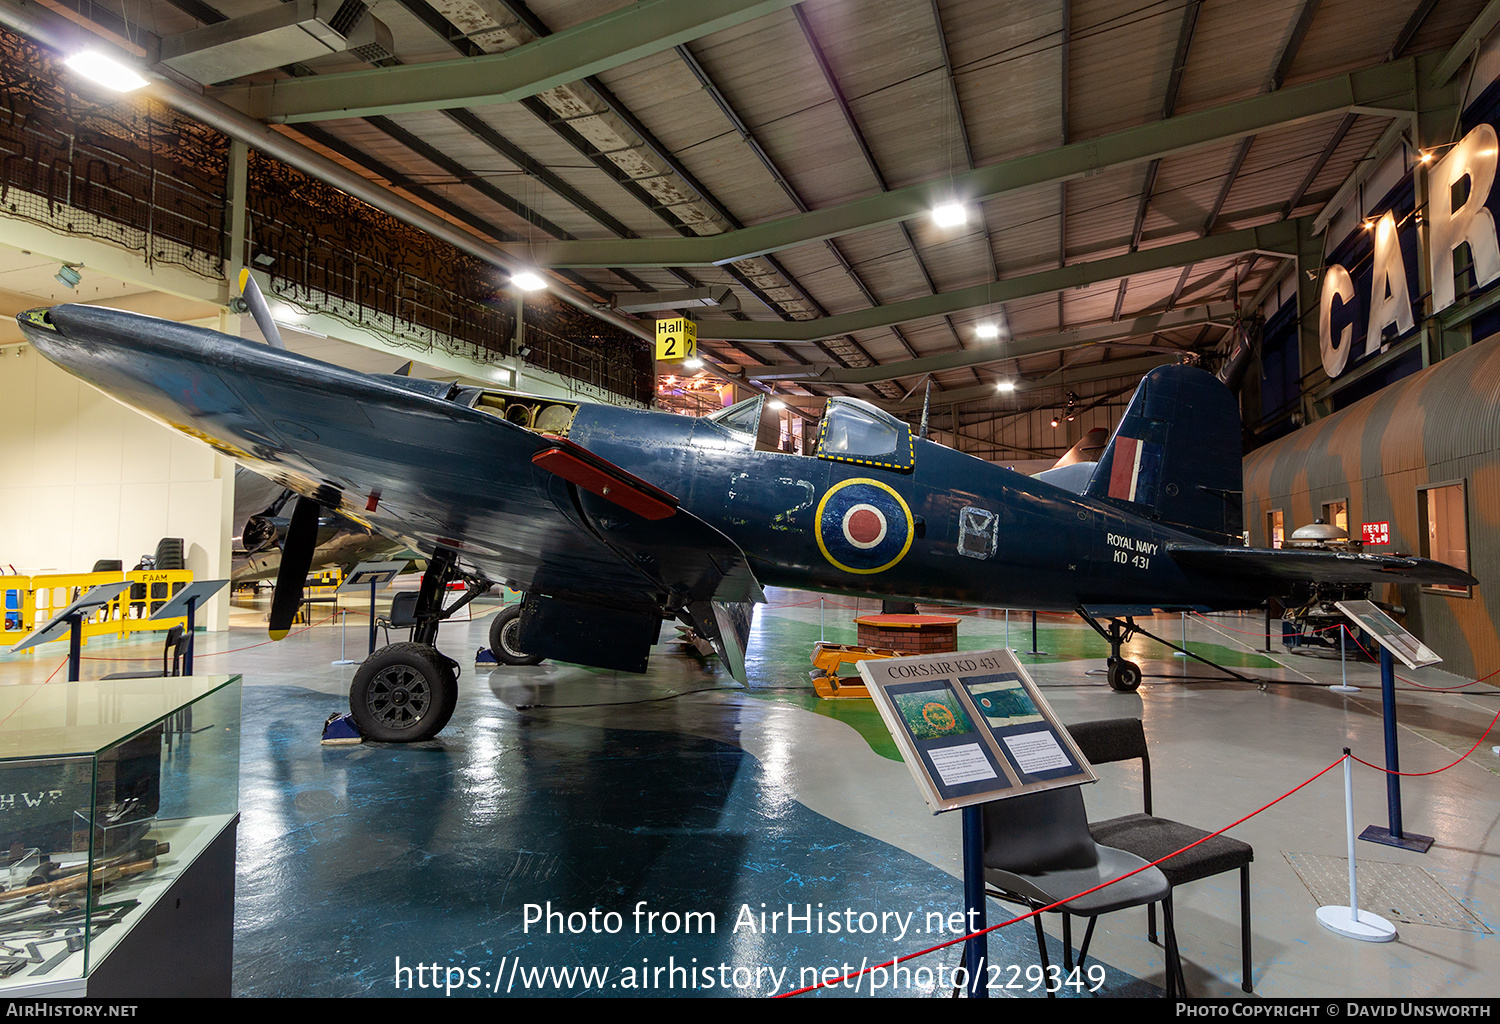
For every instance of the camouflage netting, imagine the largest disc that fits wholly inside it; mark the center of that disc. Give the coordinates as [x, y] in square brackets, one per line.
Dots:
[139, 175]
[128, 172]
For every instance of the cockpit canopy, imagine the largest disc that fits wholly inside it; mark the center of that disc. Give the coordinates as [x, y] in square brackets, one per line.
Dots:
[850, 431]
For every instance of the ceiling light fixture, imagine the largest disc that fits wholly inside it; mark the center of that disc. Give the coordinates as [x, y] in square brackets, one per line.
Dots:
[528, 280]
[1005, 385]
[1054, 421]
[949, 215]
[106, 71]
[693, 364]
[67, 275]
[987, 331]
[777, 403]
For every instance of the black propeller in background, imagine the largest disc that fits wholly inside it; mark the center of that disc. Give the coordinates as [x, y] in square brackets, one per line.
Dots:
[296, 559]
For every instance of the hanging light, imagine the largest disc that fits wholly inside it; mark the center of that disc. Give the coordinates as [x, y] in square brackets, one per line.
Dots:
[1005, 385]
[949, 215]
[104, 70]
[528, 280]
[987, 331]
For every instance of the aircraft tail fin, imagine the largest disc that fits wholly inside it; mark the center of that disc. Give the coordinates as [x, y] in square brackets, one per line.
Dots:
[1175, 456]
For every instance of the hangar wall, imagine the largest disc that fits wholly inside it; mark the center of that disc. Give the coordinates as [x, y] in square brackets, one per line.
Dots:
[1415, 413]
[83, 478]
[1420, 411]
[1438, 426]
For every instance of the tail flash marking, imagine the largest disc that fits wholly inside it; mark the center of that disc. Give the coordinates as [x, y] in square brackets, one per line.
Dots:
[1137, 465]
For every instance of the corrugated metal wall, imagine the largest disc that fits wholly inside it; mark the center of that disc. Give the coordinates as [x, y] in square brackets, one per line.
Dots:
[1441, 425]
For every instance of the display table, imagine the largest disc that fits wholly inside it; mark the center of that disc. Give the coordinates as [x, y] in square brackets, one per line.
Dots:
[909, 634]
[118, 816]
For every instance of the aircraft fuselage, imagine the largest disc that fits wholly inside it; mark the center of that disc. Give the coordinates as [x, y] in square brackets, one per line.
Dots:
[397, 455]
[971, 533]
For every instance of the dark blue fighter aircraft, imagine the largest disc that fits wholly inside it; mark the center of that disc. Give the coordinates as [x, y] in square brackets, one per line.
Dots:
[612, 519]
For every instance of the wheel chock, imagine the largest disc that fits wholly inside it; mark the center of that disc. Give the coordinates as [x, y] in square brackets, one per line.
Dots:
[340, 731]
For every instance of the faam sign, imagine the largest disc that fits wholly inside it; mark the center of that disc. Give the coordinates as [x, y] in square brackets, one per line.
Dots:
[1473, 159]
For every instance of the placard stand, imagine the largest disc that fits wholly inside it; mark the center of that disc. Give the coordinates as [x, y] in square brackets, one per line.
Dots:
[372, 575]
[71, 619]
[973, 728]
[184, 605]
[1395, 641]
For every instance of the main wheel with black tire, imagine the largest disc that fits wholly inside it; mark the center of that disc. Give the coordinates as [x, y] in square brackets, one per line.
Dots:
[403, 693]
[1124, 676]
[504, 630]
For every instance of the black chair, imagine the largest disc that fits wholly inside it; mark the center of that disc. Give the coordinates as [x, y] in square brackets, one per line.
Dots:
[403, 613]
[171, 658]
[1038, 851]
[1150, 837]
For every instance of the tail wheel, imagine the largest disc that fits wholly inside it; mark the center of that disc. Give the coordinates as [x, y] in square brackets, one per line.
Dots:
[1124, 676]
[404, 693]
[504, 632]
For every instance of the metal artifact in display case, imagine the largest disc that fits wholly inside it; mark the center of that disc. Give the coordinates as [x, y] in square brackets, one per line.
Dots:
[117, 826]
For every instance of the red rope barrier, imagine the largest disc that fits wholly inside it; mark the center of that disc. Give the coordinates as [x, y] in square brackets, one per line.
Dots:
[1256, 632]
[33, 693]
[1435, 771]
[1413, 682]
[1053, 906]
[235, 650]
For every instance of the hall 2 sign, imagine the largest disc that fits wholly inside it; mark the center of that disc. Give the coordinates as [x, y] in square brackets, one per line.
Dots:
[1475, 158]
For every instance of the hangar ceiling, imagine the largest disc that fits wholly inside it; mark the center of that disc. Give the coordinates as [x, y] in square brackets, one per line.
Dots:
[1133, 172]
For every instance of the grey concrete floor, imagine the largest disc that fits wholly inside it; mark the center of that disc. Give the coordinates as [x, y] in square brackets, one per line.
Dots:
[1221, 748]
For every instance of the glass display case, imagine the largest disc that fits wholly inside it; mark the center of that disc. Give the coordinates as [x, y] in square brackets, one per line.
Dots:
[109, 791]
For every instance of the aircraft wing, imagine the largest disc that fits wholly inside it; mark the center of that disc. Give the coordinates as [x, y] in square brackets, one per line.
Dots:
[534, 511]
[1318, 566]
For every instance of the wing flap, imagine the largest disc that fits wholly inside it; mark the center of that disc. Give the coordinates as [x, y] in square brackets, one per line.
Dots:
[1301, 565]
[579, 466]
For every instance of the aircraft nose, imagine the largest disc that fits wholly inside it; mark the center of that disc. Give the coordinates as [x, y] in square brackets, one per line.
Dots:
[164, 369]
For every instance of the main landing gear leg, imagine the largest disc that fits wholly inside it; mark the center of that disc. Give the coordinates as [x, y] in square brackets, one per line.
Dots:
[1124, 676]
[405, 693]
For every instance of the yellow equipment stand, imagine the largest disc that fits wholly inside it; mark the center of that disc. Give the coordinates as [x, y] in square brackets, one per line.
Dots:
[828, 658]
[29, 601]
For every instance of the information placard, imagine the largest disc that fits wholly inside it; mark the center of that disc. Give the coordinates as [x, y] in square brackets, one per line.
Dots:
[367, 573]
[972, 727]
[1389, 634]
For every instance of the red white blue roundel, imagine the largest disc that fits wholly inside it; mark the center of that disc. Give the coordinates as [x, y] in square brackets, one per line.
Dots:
[863, 526]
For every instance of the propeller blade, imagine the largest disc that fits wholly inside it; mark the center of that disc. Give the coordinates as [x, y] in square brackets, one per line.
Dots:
[296, 558]
[260, 309]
